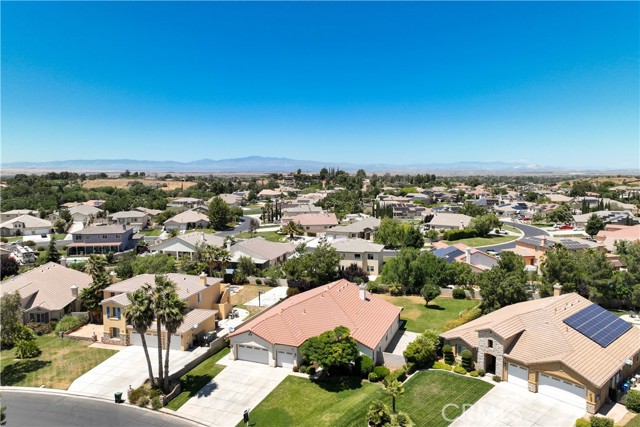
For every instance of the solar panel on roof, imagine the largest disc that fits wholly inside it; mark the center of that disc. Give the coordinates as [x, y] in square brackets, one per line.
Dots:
[597, 324]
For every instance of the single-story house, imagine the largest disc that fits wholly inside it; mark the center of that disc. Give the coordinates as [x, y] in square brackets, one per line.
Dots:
[186, 202]
[48, 292]
[206, 300]
[314, 222]
[608, 217]
[269, 194]
[136, 219]
[150, 212]
[533, 248]
[363, 229]
[15, 213]
[613, 233]
[274, 336]
[187, 220]
[478, 261]
[293, 211]
[25, 225]
[82, 213]
[263, 252]
[230, 199]
[563, 346]
[449, 221]
[186, 244]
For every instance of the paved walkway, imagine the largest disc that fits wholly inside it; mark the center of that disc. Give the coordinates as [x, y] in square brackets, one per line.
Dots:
[509, 405]
[127, 368]
[269, 298]
[241, 385]
[400, 342]
[88, 330]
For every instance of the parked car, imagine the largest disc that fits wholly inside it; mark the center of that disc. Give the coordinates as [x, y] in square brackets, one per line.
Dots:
[492, 252]
[526, 218]
[503, 232]
[566, 227]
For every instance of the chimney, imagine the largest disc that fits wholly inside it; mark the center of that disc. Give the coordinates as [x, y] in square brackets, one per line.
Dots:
[363, 292]
[543, 241]
[74, 291]
[468, 253]
[63, 261]
[203, 279]
[557, 290]
[229, 245]
[461, 225]
[114, 276]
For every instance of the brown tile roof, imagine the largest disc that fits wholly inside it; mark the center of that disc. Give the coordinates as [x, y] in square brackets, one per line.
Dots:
[188, 216]
[260, 248]
[543, 337]
[311, 313]
[47, 286]
[103, 229]
[311, 219]
[194, 317]
[28, 221]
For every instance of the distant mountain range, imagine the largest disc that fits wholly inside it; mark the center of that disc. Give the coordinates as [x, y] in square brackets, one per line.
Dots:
[257, 164]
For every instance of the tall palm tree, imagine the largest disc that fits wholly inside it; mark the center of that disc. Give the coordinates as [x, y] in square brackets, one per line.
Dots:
[172, 313]
[394, 389]
[215, 257]
[163, 287]
[140, 315]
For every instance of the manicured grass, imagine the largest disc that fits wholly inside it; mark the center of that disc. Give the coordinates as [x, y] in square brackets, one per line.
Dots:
[61, 362]
[634, 422]
[440, 311]
[429, 392]
[483, 241]
[510, 228]
[344, 402]
[193, 381]
[152, 232]
[201, 230]
[59, 236]
[271, 236]
[252, 211]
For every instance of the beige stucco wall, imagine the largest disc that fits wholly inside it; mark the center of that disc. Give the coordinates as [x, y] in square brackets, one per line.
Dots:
[364, 262]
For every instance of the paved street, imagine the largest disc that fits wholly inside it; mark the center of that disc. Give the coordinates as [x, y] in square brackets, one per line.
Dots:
[528, 231]
[241, 385]
[27, 409]
[240, 228]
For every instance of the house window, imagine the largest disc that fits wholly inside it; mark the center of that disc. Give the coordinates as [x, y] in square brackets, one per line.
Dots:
[105, 237]
[369, 256]
[113, 294]
[115, 332]
[199, 297]
[118, 312]
[357, 256]
[108, 312]
[78, 237]
[459, 349]
[117, 236]
[490, 344]
[39, 317]
[370, 268]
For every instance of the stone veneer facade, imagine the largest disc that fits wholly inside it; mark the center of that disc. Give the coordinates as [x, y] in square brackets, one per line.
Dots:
[497, 350]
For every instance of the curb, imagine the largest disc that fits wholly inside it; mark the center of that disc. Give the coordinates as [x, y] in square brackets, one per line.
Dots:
[53, 391]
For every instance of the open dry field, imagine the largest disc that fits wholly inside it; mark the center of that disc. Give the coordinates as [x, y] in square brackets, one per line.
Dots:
[123, 182]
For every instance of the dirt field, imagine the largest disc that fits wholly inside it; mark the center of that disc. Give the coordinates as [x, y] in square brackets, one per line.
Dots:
[123, 182]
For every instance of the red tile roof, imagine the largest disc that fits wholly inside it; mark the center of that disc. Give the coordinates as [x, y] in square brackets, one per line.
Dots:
[311, 313]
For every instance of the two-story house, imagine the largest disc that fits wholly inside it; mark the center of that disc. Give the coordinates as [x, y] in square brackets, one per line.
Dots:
[101, 239]
[362, 229]
[186, 202]
[136, 219]
[365, 254]
[83, 213]
[205, 298]
[15, 213]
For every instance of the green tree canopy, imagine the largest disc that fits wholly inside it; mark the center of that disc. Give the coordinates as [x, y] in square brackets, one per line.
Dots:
[503, 285]
[561, 214]
[10, 319]
[483, 224]
[333, 350]
[219, 214]
[308, 270]
[594, 225]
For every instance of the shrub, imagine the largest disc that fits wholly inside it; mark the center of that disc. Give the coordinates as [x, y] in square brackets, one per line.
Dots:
[403, 420]
[467, 360]
[258, 281]
[27, 349]
[39, 249]
[581, 422]
[410, 367]
[496, 378]
[447, 352]
[304, 368]
[381, 371]
[29, 243]
[399, 374]
[4, 240]
[440, 365]
[473, 373]
[460, 370]
[156, 404]
[633, 400]
[69, 322]
[459, 294]
[39, 328]
[460, 234]
[481, 372]
[135, 394]
[366, 366]
[143, 401]
[373, 377]
[423, 350]
[600, 421]
[296, 368]
[378, 414]
[311, 370]
[466, 316]
[292, 291]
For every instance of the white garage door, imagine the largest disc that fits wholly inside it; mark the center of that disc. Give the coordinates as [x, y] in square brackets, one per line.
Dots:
[152, 340]
[286, 359]
[564, 391]
[253, 354]
[518, 375]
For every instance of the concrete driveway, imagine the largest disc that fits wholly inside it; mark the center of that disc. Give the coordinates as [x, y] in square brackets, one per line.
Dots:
[239, 386]
[400, 342]
[125, 368]
[510, 405]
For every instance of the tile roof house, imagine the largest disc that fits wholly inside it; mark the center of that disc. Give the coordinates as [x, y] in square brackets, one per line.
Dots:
[205, 297]
[187, 220]
[314, 222]
[364, 253]
[476, 259]
[136, 219]
[25, 225]
[150, 212]
[263, 252]
[101, 239]
[553, 346]
[186, 202]
[608, 217]
[449, 221]
[363, 229]
[7, 215]
[48, 292]
[82, 213]
[274, 336]
[613, 233]
[186, 244]
[533, 248]
[269, 194]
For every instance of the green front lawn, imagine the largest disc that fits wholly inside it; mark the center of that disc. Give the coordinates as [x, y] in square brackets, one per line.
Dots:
[344, 402]
[483, 241]
[510, 228]
[151, 232]
[440, 311]
[201, 230]
[271, 236]
[61, 362]
[198, 377]
[633, 422]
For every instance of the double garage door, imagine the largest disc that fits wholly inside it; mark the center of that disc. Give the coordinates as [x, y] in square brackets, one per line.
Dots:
[253, 354]
[152, 340]
[564, 391]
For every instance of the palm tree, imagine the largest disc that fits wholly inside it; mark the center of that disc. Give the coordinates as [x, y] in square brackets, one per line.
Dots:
[172, 315]
[394, 389]
[292, 228]
[214, 256]
[140, 315]
[163, 288]
[91, 296]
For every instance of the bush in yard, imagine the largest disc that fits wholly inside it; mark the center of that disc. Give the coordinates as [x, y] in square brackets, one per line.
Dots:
[69, 322]
[447, 352]
[292, 291]
[38, 328]
[473, 373]
[460, 370]
[143, 401]
[335, 351]
[481, 372]
[581, 422]
[467, 360]
[27, 349]
[633, 400]
[258, 281]
[601, 421]
[496, 378]
[373, 377]
[378, 414]
[296, 368]
[366, 365]
[156, 404]
[135, 394]
[459, 294]
[423, 350]
[311, 370]
[303, 369]
[440, 365]
[399, 375]
[402, 420]
[381, 371]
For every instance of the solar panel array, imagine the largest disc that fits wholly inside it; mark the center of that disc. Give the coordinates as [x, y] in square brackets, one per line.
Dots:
[448, 254]
[573, 244]
[597, 324]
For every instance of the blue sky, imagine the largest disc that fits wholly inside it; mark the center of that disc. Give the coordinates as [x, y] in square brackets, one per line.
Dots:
[543, 82]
